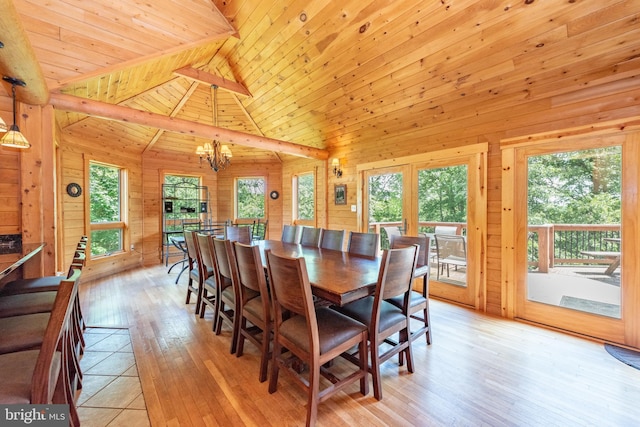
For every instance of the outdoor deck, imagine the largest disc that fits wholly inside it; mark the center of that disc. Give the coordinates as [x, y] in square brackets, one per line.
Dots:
[584, 288]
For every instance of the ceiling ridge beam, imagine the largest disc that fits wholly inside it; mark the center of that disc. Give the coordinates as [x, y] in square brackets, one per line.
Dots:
[207, 78]
[145, 118]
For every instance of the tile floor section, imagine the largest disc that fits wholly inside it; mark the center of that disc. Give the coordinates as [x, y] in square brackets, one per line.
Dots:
[111, 394]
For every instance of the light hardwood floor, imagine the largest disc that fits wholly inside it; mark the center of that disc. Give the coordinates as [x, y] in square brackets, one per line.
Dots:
[480, 370]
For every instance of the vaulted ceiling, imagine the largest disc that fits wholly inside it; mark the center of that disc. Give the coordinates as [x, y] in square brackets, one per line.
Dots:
[324, 74]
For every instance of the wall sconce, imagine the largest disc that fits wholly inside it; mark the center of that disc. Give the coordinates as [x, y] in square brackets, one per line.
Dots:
[337, 170]
[14, 138]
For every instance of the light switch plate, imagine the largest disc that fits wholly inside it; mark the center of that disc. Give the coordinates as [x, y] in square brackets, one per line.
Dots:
[353, 208]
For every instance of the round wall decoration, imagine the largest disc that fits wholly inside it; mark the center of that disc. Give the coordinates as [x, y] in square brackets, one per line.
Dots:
[74, 190]
[274, 194]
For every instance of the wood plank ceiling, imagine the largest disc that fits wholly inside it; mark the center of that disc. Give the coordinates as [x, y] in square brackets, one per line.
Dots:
[328, 74]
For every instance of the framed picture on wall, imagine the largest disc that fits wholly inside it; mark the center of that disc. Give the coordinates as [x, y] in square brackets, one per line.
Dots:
[168, 207]
[340, 194]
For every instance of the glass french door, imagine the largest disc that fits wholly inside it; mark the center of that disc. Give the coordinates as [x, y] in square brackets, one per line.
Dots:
[575, 232]
[441, 212]
[385, 204]
[432, 194]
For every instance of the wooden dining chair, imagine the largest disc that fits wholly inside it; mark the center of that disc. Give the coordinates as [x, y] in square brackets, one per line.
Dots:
[193, 283]
[383, 318]
[311, 236]
[208, 288]
[290, 234]
[363, 244]
[237, 233]
[255, 302]
[313, 335]
[47, 372]
[332, 239]
[419, 301]
[227, 292]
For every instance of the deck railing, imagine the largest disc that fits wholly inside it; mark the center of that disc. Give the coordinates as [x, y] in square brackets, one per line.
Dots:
[547, 245]
[423, 227]
[553, 244]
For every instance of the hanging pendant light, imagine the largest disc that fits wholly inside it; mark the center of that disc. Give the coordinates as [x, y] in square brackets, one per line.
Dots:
[218, 155]
[14, 138]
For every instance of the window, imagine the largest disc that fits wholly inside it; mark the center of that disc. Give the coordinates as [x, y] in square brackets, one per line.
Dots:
[184, 202]
[250, 198]
[305, 196]
[106, 206]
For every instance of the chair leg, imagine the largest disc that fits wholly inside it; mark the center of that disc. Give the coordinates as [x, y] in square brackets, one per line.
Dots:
[364, 365]
[427, 323]
[240, 338]
[375, 372]
[202, 306]
[405, 335]
[217, 317]
[275, 367]
[199, 297]
[314, 391]
[235, 331]
[264, 357]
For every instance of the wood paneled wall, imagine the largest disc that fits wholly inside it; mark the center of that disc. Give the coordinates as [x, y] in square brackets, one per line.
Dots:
[10, 211]
[27, 186]
[560, 113]
[74, 153]
[272, 172]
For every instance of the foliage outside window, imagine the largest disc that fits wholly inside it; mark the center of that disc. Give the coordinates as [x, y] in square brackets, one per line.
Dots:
[385, 198]
[305, 196]
[573, 188]
[106, 194]
[578, 187]
[250, 198]
[442, 195]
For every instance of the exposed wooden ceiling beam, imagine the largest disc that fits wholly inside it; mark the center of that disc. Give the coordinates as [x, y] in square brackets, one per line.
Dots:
[211, 79]
[172, 124]
[17, 58]
[174, 112]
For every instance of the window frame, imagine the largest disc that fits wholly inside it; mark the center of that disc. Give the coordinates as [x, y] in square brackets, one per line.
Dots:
[122, 224]
[295, 180]
[235, 198]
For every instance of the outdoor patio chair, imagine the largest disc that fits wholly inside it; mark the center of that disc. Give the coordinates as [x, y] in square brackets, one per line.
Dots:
[450, 250]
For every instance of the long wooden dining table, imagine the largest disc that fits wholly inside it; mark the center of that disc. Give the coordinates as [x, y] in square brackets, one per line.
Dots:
[335, 276]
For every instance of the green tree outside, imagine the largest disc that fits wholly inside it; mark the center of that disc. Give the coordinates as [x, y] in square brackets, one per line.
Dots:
[306, 197]
[251, 198]
[105, 207]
